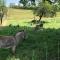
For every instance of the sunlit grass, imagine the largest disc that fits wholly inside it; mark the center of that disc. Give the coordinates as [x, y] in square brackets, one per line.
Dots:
[22, 17]
[19, 14]
[51, 22]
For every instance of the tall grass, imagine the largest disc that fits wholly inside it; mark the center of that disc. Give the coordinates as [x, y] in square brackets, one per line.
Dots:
[34, 47]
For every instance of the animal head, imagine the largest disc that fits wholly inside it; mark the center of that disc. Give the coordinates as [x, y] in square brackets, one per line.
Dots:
[21, 35]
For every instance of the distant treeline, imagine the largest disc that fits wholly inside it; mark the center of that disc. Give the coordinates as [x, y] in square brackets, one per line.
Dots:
[27, 7]
[21, 7]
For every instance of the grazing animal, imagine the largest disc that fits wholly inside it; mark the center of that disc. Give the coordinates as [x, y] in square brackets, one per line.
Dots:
[12, 41]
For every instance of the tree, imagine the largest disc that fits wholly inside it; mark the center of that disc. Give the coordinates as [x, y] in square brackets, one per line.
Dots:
[24, 2]
[3, 9]
[58, 4]
[33, 2]
[45, 9]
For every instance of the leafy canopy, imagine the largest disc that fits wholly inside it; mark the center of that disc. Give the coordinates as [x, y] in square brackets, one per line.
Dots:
[45, 9]
[24, 2]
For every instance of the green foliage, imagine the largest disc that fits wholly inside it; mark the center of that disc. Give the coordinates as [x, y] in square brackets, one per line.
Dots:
[45, 9]
[58, 5]
[3, 7]
[2, 3]
[33, 2]
[33, 48]
[18, 7]
[24, 2]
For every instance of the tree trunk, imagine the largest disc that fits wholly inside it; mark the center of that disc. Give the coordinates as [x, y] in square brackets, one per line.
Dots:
[40, 18]
[1, 20]
[34, 17]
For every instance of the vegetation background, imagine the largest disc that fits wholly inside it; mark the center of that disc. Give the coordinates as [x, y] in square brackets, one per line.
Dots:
[40, 45]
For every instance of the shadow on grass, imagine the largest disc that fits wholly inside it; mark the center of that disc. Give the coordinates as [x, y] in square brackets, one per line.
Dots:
[40, 45]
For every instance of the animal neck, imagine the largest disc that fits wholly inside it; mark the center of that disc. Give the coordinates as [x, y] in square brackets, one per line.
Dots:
[18, 37]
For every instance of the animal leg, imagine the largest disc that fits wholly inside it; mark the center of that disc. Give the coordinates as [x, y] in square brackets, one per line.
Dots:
[13, 49]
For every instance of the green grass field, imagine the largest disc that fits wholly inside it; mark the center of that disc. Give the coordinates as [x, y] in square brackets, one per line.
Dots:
[22, 17]
[40, 45]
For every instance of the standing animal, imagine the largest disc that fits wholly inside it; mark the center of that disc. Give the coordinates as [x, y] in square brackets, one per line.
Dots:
[12, 41]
